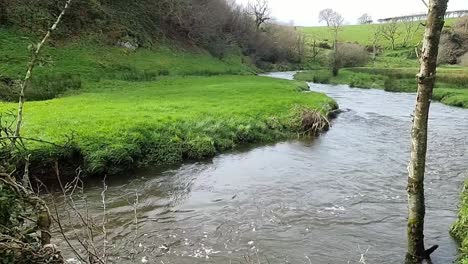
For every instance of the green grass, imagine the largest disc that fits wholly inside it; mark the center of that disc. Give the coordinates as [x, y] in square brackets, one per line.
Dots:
[118, 125]
[362, 34]
[93, 60]
[460, 229]
[451, 87]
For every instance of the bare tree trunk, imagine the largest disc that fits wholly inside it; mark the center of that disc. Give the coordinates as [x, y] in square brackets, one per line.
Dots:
[335, 67]
[416, 168]
[32, 64]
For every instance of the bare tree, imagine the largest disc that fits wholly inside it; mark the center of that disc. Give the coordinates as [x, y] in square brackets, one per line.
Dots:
[390, 31]
[416, 169]
[365, 19]
[334, 22]
[462, 25]
[376, 35]
[326, 16]
[261, 12]
[410, 27]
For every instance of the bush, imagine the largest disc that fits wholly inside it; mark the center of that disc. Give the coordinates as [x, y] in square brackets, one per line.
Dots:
[41, 88]
[453, 44]
[324, 45]
[352, 55]
[391, 85]
[348, 55]
[324, 79]
[464, 60]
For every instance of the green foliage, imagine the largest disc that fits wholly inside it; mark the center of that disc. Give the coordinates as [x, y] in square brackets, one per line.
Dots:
[451, 96]
[391, 85]
[10, 209]
[460, 229]
[119, 125]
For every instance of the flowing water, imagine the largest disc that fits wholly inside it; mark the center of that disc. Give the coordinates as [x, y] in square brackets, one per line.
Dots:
[327, 200]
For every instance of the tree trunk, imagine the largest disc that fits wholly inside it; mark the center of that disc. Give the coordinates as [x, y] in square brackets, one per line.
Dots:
[416, 168]
[335, 66]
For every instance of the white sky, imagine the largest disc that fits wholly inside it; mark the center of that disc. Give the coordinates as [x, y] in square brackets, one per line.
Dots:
[305, 12]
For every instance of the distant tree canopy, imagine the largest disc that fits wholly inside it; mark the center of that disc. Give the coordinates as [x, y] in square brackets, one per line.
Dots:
[215, 25]
[365, 19]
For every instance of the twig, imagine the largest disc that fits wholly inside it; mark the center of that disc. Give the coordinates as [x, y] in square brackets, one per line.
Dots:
[104, 218]
[31, 66]
[14, 138]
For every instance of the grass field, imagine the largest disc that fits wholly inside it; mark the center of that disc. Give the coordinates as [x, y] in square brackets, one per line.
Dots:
[451, 87]
[362, 34]
[118, 125]
[157, 106]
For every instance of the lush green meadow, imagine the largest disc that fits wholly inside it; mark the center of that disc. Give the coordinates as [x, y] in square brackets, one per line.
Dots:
[161, 105]
[117, 125]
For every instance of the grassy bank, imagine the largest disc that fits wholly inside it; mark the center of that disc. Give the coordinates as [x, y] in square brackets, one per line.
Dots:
[451, 87]
[460, 228]
[118, 125]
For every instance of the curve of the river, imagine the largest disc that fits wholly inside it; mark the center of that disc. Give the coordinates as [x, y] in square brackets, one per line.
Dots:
[323, 201]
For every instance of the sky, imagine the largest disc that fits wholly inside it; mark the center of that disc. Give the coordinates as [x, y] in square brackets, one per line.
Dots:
[305, 12]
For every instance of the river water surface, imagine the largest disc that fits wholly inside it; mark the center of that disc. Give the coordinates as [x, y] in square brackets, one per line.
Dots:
[327, 200]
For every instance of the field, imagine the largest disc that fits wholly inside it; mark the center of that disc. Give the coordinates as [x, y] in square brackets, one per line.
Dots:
[118, 125]
[363, 34]
[158, 106]
[393, 70]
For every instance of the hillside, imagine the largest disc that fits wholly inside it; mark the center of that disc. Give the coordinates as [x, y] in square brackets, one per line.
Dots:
[363, 34]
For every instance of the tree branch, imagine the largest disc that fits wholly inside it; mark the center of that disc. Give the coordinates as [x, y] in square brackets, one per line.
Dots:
[31, 66]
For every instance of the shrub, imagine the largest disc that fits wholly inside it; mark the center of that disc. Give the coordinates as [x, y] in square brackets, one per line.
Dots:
[348, 55]
[324, 45]
[321, 78]
[453, 45]
[391, 85]
[41, 88]
[352, 55]
[464, 60]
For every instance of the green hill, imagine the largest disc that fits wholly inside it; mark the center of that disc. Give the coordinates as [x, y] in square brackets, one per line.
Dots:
[363, 34]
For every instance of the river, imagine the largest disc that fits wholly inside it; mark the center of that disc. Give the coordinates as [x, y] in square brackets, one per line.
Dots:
[326, 200]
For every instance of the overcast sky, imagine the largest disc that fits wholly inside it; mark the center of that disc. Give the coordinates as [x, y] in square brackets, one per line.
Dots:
[305, 12]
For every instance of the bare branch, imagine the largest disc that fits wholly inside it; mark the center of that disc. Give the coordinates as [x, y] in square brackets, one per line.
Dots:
[29, 72]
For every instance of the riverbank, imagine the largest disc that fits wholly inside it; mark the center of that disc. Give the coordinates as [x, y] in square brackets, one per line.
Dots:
[112, 126]
[460, 228]
[451, 88]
